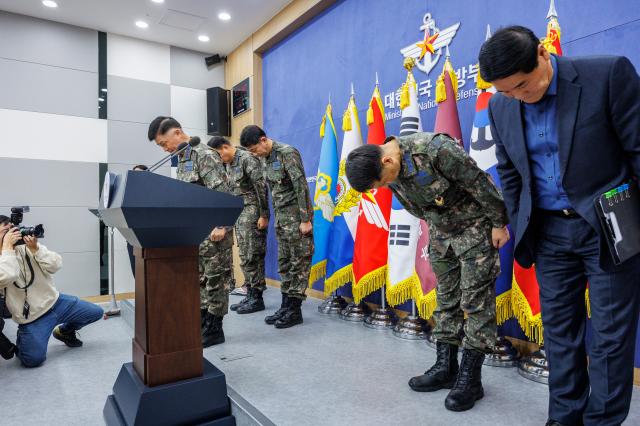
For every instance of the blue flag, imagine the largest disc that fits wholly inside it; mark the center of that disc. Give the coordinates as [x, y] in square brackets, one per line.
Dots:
[325, 194]
[343, 234]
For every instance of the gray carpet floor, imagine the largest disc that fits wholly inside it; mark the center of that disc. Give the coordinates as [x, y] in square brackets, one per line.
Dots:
[325, 372]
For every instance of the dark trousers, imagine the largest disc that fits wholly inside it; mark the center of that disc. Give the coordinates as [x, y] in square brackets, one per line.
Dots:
[597, 393]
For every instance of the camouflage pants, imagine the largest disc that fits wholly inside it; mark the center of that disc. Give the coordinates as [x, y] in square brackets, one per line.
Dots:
[216, 274]
[294, 252]
[252, 244]
[466, 284]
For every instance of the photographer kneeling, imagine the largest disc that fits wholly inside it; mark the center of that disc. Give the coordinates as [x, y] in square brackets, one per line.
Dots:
[34, 302]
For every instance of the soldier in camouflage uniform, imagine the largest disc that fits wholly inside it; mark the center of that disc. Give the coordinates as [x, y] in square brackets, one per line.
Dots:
[435, 180]
[284, 172]
[247, 181]
[201, 165]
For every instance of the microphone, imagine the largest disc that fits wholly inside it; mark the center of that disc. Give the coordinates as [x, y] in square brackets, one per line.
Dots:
[194, 141]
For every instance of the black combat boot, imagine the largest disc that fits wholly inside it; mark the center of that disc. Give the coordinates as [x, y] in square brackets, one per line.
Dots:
[254, 304]
[443, 373]
[271, 319]
[468, 387]
[244, 300]
[7, 349]
[214, 334]
[293, 314]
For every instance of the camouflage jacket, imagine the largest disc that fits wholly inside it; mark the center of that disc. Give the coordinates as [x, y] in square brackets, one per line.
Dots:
[246, 179]
[285, 175]
[440, 183]
[202, 165]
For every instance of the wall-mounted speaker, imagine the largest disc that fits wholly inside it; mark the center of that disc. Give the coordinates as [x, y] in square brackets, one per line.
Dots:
[218, 120]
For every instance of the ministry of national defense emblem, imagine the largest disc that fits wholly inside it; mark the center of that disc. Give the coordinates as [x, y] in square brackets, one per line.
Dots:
[427, 51]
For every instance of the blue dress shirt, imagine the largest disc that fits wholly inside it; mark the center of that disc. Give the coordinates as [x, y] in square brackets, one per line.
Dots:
[541, 135]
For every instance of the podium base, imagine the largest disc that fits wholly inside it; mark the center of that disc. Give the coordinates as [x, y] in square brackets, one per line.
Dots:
[199, 401]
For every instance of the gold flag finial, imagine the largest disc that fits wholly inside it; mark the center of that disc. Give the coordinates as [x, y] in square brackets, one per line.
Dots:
[409, 63]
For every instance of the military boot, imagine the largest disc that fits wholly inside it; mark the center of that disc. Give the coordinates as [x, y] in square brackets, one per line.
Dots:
[214, 334]
[271, 319]
[442, 375]
[254, 303]
[292, 316]
[244, 300]
[468, 387]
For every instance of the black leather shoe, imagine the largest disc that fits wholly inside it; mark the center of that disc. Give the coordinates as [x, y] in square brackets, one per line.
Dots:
[254, 302]
[292, 316]
[468, 387]
[442, 375]
[271, 319]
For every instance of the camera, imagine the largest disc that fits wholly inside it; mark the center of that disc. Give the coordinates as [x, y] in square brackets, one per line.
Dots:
[26, 231]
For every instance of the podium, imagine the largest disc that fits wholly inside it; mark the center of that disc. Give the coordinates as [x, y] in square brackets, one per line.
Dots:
[169, 381]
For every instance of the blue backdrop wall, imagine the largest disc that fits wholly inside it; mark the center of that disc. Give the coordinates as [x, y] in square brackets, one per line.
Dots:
[354, 39]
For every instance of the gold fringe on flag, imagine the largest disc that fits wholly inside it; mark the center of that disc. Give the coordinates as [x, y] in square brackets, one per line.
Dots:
[504, 308]
[318, 271]
[480, 83]
[441, 91]
[346, 121]
[587, 301]
[427, 304]
[339, 278]
[371, 282]
[530, 324]
[404, 96]
[402, 291]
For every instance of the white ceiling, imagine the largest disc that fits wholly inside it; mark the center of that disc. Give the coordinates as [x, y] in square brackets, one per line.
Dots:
[119, 17]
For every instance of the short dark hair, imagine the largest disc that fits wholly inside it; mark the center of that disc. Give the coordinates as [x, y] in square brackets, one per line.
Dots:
[364, 167]
[251, 135]
[4, 219]
[161, 125]
[216, 142]
[140, 167]
[509, 51]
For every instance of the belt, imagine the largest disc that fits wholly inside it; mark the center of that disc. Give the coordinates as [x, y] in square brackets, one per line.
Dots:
[565, 213]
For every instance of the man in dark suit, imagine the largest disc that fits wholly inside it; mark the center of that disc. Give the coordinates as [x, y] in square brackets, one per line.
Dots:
[566, 130]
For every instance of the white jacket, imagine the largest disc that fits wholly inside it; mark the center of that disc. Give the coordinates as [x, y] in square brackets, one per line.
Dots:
[42, 294]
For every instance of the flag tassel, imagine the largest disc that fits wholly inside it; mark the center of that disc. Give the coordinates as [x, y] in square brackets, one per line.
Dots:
[403, 290]
[427, 304]
[318, 271]
[339, 278]
[531, 324]
[504, 309]
[369, 283]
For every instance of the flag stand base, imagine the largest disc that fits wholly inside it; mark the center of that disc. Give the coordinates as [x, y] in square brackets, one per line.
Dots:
[354, 313]
[380, 319]
[535, 367]
[411, 328]
[332, 305]
[503, 354]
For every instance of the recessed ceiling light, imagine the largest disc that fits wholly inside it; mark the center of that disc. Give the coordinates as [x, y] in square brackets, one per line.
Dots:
[141, 24]
[50, 3]
[224, 16]
[104, 89]
[158, 1]
[100, 99]
[203, 38]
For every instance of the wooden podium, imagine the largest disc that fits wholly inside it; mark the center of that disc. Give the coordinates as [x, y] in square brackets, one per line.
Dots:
[169, 381]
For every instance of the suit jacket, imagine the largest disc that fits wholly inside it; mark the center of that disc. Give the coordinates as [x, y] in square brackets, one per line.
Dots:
[598, 116]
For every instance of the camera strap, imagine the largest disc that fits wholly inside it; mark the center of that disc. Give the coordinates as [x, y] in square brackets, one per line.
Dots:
[26, 307]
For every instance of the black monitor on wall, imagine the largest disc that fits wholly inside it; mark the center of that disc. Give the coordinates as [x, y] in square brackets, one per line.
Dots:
[241, 97]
